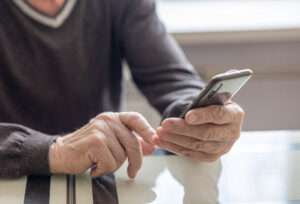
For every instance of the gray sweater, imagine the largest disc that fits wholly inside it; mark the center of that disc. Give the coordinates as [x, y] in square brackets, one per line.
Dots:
[53, 79]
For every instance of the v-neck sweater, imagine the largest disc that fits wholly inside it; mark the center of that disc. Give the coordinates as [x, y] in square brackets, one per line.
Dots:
[53, 80]
[54, 21]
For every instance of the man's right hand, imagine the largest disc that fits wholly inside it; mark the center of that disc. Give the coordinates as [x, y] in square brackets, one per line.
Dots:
[106, 141]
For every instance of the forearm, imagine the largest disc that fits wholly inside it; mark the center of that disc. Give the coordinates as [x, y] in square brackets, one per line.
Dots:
[23, 151]
[159, 67]
[172, 92]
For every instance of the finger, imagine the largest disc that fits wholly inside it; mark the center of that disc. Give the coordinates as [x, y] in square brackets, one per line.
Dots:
[105, 162]
[138, 124]
[96, 127]
[132, 147]
[113, 143]
[194, 144]
[195, 155]
[207, 132]
[218, 114]
[127, 139]
[147, 149]
[117, 150]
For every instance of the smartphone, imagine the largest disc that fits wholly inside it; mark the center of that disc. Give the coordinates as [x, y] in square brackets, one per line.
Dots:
[220, 89]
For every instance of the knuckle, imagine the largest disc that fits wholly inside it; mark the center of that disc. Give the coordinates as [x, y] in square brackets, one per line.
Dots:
[98, 127]
[210, 116]
[196, 144]
[97, 140]
[133, 118]
[220, 113]
[107, 116]
[209, 132]
[94, 131]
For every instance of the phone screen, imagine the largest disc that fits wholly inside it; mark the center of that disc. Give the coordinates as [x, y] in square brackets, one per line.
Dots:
[220, 90]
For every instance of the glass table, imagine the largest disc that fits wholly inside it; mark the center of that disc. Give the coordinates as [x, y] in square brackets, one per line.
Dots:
[263, 167]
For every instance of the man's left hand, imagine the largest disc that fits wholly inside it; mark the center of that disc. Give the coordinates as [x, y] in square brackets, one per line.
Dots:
[205, 134]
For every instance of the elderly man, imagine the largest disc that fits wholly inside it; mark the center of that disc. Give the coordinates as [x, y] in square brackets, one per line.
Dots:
[61, 69]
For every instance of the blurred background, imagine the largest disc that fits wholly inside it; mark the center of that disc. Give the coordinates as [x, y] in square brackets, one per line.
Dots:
[218, 35]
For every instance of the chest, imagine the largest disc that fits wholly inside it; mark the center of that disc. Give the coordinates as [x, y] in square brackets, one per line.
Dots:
[81, 46]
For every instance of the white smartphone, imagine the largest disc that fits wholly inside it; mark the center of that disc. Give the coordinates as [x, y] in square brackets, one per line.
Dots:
[220, 89]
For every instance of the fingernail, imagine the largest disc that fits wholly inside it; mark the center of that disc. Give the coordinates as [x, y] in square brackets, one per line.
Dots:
[150, 138]
[158, 141]
[193, 118]
[153, 133]
[133, 175]
[168, 126]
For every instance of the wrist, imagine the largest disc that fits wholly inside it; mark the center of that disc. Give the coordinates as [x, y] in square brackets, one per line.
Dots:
[54, 158]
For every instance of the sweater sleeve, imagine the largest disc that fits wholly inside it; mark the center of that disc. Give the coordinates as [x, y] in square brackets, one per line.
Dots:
[23, 151]
[158, 65]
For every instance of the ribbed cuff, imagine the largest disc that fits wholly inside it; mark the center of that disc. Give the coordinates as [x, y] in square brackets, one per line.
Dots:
[35, 153]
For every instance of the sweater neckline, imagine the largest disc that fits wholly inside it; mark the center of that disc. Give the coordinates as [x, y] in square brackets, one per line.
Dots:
[52, 21]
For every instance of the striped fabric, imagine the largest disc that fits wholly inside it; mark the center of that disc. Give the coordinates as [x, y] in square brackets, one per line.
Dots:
[161, 180]
[58, 189]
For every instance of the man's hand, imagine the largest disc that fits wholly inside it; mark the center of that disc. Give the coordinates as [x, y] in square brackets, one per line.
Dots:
[204, 135]
[105, 143]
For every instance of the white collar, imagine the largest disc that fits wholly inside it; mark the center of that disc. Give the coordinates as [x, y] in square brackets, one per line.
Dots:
[55, 21]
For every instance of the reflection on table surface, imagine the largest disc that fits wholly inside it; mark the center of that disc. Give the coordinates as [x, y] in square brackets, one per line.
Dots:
[263, 167]
[170, 179]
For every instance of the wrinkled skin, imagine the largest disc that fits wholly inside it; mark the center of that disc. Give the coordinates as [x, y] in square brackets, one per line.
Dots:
[104, 144]
[205, 134]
